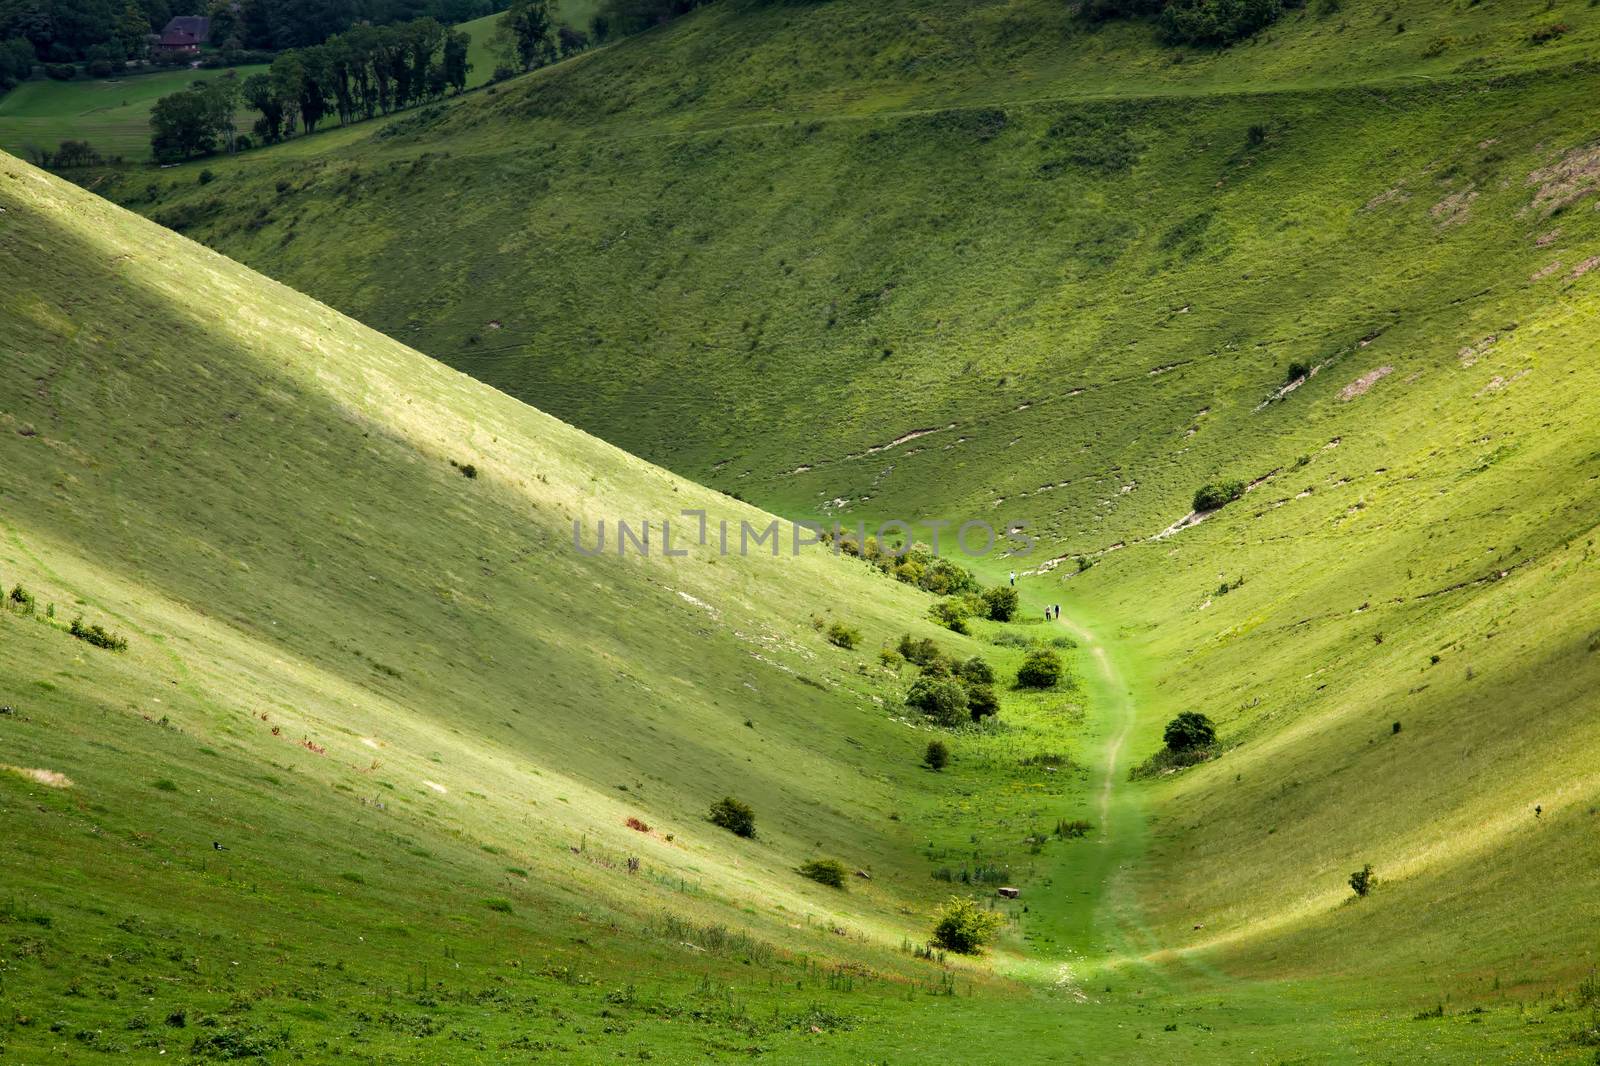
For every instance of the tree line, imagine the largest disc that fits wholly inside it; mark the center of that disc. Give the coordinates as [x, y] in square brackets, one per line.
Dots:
[368, 71]
[111, 32]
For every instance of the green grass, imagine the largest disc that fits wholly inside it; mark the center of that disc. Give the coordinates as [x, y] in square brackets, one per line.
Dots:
[112, 114]
[699, 244]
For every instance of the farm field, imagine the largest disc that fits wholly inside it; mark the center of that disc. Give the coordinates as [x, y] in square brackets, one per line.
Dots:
[112, 114]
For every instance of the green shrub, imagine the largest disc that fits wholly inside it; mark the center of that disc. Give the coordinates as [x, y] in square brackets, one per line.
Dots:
[891, 659]
[1210, 496]
[944, 700]
[919, 650]
[737, 818]
[937, 757]
[843, 636]
[1188, 731]
[951, 613]
[1363, 880]
[22, 599]
[205, 177]
[1000, 603]
[94, 634]
[165, 784]
[1041, 669]
[498, 903]
[982, 702]
[964, 927]
[1072, 830]
[1299, 368]
[976, 671]
[830, 872]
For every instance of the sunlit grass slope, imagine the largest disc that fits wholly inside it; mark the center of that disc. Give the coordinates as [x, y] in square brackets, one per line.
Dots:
[768, 243]
[413, 718]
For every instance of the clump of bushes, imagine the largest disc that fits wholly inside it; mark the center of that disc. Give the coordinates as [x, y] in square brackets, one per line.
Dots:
[1363, 881]
[843, 636]
[830, 872]
[937, 757]
[1212, 495]
[1041, 669]
[964, 927]
[736, 817]
[947, 692]
[1299, 368]
[97, 635]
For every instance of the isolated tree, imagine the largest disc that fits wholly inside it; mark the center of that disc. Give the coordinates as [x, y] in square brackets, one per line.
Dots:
[1188, 731]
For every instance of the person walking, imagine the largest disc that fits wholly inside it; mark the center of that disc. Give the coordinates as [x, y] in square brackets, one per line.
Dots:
[1013, 579]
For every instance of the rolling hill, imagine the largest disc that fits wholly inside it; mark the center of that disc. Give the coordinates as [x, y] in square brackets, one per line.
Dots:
[914, 260]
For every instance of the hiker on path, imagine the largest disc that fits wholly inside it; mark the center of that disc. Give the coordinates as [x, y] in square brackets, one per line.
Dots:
[1013, 579]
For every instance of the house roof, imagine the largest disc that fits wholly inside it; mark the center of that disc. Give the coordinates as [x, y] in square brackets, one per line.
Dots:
[197, 27]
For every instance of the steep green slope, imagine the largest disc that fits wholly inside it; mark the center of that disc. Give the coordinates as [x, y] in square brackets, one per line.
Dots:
[414, 718]
[1057, 282]
[756, 242]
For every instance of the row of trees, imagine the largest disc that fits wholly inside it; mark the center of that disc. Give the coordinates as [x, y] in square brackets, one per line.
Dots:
[368, 71]
[67, 31]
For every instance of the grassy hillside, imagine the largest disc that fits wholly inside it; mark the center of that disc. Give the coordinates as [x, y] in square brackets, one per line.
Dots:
[975, 260]
[415, 719]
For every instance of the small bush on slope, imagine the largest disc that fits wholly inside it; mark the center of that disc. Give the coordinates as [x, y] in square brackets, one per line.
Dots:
[737, 818]
[843, 636]
[964, 927]
[942, 699]
[1041, 669]
[830, 872]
